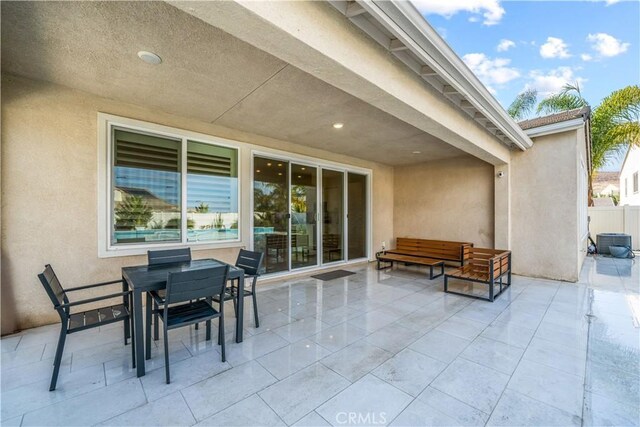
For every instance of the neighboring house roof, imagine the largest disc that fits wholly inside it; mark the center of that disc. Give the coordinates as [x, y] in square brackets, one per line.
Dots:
[603, 202]
[603, 179]
[562, 122]
[560, 117]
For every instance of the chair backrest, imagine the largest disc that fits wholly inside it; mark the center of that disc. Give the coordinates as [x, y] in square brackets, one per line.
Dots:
[169, 256]
[53, 287]
[249, 261]
[194, 284]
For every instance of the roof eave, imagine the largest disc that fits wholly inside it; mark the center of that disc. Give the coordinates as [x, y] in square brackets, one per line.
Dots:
[415, 33]
[555, 127]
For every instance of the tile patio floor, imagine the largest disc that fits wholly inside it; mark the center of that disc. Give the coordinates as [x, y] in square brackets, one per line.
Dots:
[375, 348]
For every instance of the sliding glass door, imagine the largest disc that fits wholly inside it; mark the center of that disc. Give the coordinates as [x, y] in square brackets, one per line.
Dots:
[332, 215]
[304, 212]
[271, 213]
[357, 215]
[305, 215]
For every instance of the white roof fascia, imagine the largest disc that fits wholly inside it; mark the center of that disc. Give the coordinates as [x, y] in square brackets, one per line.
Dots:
[407, 24]
[555, 127]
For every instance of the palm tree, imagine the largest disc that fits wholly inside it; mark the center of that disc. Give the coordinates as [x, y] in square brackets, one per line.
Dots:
[615, 123]
[568, 98]
[522, 106]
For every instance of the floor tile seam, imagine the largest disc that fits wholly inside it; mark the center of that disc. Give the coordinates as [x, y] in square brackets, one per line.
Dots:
[75, 396]
[43, 350]
[146, 401]
[547, 365]
[414, 398]
[228, 406]
[184, 399]
[587, 375]
[268, 406]
[538, 401]
[195, 383]
[458, 400]
[338, 373]
[520, 359]
[350, 383]
[71, 368]
[554, 343]
[18, 344]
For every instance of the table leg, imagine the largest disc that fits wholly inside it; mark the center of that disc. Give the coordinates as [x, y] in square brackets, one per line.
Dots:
[240, 312]
[138, 328]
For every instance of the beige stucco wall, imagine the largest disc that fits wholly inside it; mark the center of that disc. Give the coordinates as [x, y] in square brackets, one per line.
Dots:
[49, 191]
[445, 200]
[544, 207]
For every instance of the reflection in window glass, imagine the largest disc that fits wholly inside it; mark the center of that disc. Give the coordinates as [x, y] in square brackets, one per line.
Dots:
[146, 188]
[212, 192]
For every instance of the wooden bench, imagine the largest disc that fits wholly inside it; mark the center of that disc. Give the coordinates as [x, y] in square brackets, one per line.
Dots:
[444, 250]
[431, 253]
[390, 258]
[488, 266]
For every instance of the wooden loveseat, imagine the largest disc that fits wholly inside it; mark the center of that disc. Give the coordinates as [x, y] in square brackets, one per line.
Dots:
[487, 266]
[430, 253]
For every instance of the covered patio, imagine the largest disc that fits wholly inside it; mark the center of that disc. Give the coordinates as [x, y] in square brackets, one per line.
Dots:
[375, 348]
[314, 134]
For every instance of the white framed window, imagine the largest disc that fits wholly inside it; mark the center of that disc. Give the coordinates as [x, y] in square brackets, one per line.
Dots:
[163, 187]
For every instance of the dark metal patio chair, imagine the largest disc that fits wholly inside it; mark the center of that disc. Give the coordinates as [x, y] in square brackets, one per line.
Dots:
[250, 262]
[187, 301]
[169, 256]
[79, 321]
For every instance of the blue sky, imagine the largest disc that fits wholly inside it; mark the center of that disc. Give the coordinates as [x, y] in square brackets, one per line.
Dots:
[513, 45]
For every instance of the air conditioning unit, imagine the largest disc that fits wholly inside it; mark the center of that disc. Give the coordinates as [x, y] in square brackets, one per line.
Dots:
[604, 240]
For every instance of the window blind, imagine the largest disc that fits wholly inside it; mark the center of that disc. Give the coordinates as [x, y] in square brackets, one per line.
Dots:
[146, 152]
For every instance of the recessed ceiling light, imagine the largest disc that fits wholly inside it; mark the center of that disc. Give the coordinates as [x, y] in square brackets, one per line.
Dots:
[268, 164]
[338, 125]
[258, 170]
[149, 57]
[416, 152]
[280, 164]
[279, 173]
[303, 168]
[299, 176]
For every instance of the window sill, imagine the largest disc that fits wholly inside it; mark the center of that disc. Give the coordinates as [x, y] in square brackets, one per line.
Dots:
[125, 251]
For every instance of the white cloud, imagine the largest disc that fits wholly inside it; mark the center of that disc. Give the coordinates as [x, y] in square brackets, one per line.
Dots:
[490, 71]
[505, 45]
[610, 2]
[607, 45]
[553, 81]
[554, 48]
[490, 10]
[586, 57]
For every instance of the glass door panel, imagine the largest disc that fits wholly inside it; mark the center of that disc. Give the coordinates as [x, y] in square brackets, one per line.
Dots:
[332, 215]
[304, 205]
[357, 215]
[271, 213]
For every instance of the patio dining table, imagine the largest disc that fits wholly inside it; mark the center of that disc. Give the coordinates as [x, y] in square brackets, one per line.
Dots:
[145, 278]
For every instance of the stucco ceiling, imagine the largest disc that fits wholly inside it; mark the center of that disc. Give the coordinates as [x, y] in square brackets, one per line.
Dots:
[205, 74]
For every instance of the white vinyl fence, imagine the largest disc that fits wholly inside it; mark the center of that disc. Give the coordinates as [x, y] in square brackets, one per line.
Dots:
[616, 219]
